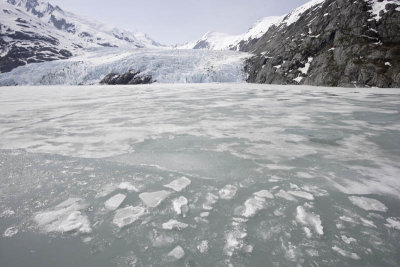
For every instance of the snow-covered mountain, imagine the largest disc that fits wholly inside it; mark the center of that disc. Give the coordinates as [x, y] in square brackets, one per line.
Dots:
[35, 31]
[224, 41]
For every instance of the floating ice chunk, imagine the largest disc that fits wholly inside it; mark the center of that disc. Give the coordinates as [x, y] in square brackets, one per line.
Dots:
[177, 253]
[65, 217]
[128, 215]
[304, 175]
[203, 246]
[348, 219]
[162, 240]
[345, 253]
[252, 206]
[211, 199]
[311, 219]
[234, 241]
[11, 231]
[301, 194]
[174, 224]
[114, 202]
[348, 240]
[128, 187]
[307, 231]
[204, 214]
[153, 199]
[180, 205]
[106, 190]
[179, 184]
[367, 223]
[393, 222]
[7, 213]
[285, 195]
[368, 203]
[227, 192]
[264, 194]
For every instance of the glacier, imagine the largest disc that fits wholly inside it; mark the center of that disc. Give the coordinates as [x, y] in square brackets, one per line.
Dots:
[164, 65]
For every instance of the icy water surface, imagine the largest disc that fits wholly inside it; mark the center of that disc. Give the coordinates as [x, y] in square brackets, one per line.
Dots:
[199, 175]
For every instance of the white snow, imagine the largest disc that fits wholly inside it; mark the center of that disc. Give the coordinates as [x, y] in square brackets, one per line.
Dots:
[153, 199]
[174, 224]
[296, 14]
[378, 6]
[368, 203]
[180, 205]
[309, 219]
[128, 215]
[65, 217]
[179, 184]
[114, 202]
[302, 194]
[388, 64]
[177, 253]
[227, 192]
[345, 253]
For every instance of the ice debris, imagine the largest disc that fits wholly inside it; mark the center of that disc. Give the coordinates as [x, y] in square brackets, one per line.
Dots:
[177, 253]
[301, 194]
[174, 224]
[251, 207]
[393, 223]
[227, 192]
[114, 202]
[128, 215]
[128, 187]
[65, 217]
[11, 231]
[368, 203]
[345, 253]
[153, 199]
[180, 205]
[211, 199]
[179, 184]
[264, 194]
[203, 246]
[309, 219]
[285, 195]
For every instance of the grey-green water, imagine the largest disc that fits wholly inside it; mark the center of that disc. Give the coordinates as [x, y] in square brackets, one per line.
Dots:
[279, 175]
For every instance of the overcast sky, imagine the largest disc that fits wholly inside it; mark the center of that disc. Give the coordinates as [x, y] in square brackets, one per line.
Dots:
[179, 21]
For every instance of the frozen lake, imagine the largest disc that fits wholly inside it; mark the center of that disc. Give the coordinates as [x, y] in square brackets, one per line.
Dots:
[199, 175]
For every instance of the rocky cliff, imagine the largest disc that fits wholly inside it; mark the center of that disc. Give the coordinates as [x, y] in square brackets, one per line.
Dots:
[331, 43]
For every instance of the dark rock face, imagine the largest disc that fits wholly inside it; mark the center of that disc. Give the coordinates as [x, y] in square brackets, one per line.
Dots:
[336, 44]
[130, 77]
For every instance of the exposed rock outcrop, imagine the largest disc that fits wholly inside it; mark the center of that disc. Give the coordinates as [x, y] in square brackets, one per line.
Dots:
[332, 43]
[130, 77]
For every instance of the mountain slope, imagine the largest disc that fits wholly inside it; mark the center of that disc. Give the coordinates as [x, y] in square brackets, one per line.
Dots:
[333, 43]
[34, 31]
[223, 41]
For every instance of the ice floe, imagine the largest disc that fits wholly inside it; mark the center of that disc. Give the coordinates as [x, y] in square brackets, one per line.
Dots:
[285, 195]
[177, 253]
[368, 203]
[251, 207]
[345, 253]
[153, 199]
[114, 202]
[393, 223]
[180, 205]
[7, 213]
[128, 215]
[174, 224]
[106, 190]
[128, 187]
[309, 219]
[301, 194]
[68, 216]
[10, 231]
[179, 184]
[211, 199]
[227, 192]
[348, 240]
[203, 246]
[264, 194]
